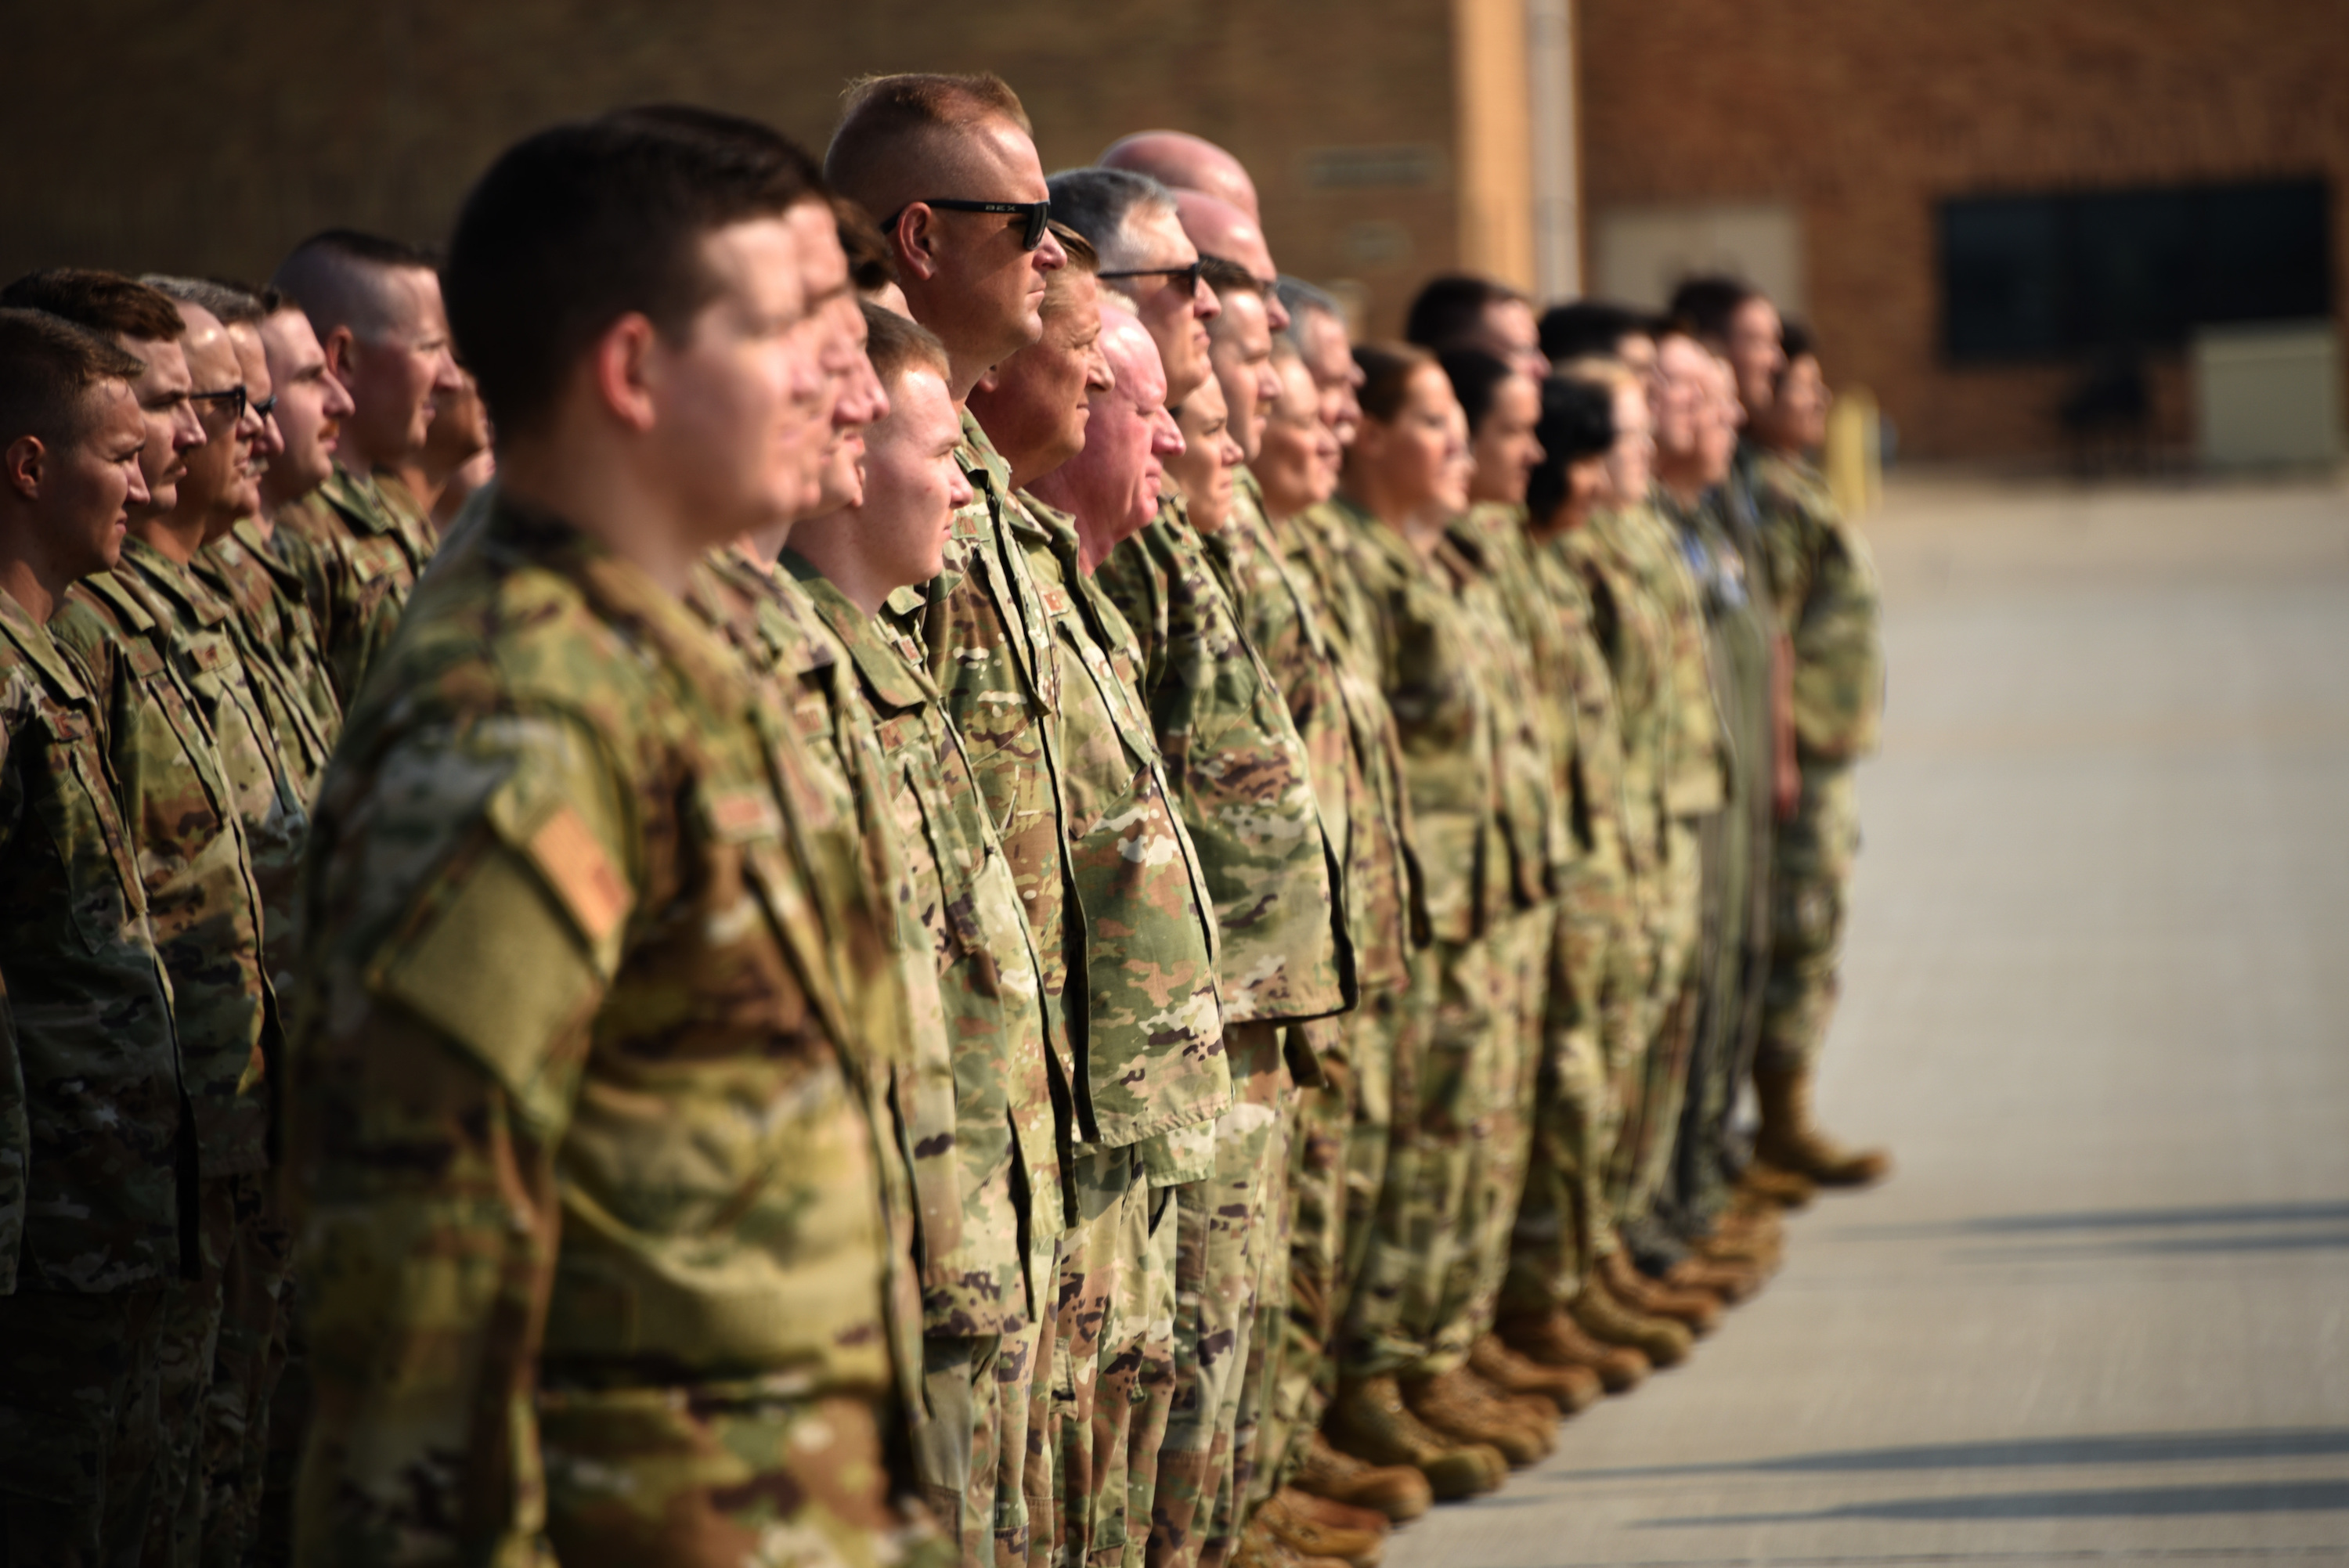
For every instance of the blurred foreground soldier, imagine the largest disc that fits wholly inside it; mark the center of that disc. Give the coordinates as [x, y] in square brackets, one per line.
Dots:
[1463, 311]
[589, 1128]
[988, 1266]
[1244, 788]
[188, 745]
[375, 304]
[1824, 581]
[96, 1201]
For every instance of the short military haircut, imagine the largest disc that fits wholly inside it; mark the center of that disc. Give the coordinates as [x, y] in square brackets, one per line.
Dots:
[1577, 423]
[105, 302]
[590, 221]
[1475, 376]
[870, 266]
[1387, 369]
[1451, 308]
[1794, 337]
[1702, 306]
[47, 368]
[1228, 277]
[1590, 326]
[234, 306]
[1098, 203]
[896, 345]
[337, 278]
[885, 121]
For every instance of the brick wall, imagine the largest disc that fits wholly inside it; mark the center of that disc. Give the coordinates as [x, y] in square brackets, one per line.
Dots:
[1865, 113]
[208, 138]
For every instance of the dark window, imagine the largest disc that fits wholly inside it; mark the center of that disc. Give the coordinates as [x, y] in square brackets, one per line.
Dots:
[2027, 277]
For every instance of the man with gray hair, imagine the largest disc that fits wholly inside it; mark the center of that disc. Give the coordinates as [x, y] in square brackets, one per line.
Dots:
[1137, 231]
[376, 307]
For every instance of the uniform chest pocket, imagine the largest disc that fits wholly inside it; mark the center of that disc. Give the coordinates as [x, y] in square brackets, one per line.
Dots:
[69, 801]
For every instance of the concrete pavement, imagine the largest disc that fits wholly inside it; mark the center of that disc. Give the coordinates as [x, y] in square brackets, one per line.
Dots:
[2098, 1002]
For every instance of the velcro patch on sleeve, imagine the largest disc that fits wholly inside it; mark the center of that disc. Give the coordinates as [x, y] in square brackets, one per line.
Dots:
[566, 853]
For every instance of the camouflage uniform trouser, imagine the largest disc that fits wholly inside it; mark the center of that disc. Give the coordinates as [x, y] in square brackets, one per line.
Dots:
[80, 1429]
[1737, 841]
[1810, 881]
[223, 1350]
[1655, 1078]
[1225, 1241]
[1337, 1173]
[1112, 1361]
[716, 1476]
[1519, 974]
[980, 1458]
[1598, 985]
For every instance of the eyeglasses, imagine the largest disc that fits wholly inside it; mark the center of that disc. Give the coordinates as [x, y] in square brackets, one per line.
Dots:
[1187, 277]
[1037, 215]
[264, 408]
[233, 396]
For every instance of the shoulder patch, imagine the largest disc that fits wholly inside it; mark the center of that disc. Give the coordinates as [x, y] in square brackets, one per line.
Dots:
[566, 854]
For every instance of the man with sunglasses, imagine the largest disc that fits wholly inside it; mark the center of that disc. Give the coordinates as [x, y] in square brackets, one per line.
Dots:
[376, 307]
[1132, 223]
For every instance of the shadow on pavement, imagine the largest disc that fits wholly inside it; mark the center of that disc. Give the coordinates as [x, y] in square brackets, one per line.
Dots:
[2119, 1502]
[2134, 1449]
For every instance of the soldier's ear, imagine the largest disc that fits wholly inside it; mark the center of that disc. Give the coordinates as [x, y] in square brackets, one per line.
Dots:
[624, 365]
[26, 460]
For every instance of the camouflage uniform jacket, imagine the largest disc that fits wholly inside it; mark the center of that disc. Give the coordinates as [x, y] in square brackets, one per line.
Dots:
[278, 637]
[92, 1121]
[365, 553]
[1386, 907]
[1696, 776]
[187, 832]
[1596, 774]
[1633, 631]
[272, 803]
[1530, 676]
[1432, 670]
[583, 1105]
[1824, 581]
[962, 903]
[1239, 774]
[1035, 668]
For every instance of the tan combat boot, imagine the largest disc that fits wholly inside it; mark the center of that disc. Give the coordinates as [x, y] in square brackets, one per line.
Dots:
[1399, 1490]
[1571, 1388]
[1777, 1186]
[1370, 1422]
[1258, 1547]
[1790, 1141]
[1627, 1285]
[1308, 1536]
[1554, 1339]
[1454, 1404]
[1732, 1281]
[1664, 1342]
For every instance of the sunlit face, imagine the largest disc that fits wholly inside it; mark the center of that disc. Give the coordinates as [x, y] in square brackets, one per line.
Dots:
[1510, 331]
[1112, 486]
[89, 484]
[913, 484]
[1718, 421]
[311, 408]
[742, 405]
[1176, 315]
[1203, 467]
[1631, 464]
[1757, 353]
[173, 431]
[1297, 464]
[1678, 393]
[1797, 421]
[1241, 350]
[1335, 374]
[984, 295]
[216, 470]
[1418, 461]
[835, 323]
[1505, 448]
[1035, 405]
[394, 377]
[267, 439]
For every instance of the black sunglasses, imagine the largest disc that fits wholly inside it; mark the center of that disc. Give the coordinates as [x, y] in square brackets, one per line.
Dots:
[235, 397]
[1038, 215]
[1189, 276]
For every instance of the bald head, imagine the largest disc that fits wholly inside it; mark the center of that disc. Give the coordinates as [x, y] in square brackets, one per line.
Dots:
[1220, 229]
[1186, 163]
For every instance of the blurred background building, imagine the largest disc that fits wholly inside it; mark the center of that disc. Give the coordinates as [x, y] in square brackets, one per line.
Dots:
[2028, 227]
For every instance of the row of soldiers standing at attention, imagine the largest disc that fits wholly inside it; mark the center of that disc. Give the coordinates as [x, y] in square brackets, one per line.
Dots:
[999, 903]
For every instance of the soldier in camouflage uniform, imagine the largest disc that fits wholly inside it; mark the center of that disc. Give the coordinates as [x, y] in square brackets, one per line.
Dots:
[593, 1062]
[1243, 779]
[1405, 1335]
[986, 1267]
[96, 1191]
[1824, 581]
[375, 304]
